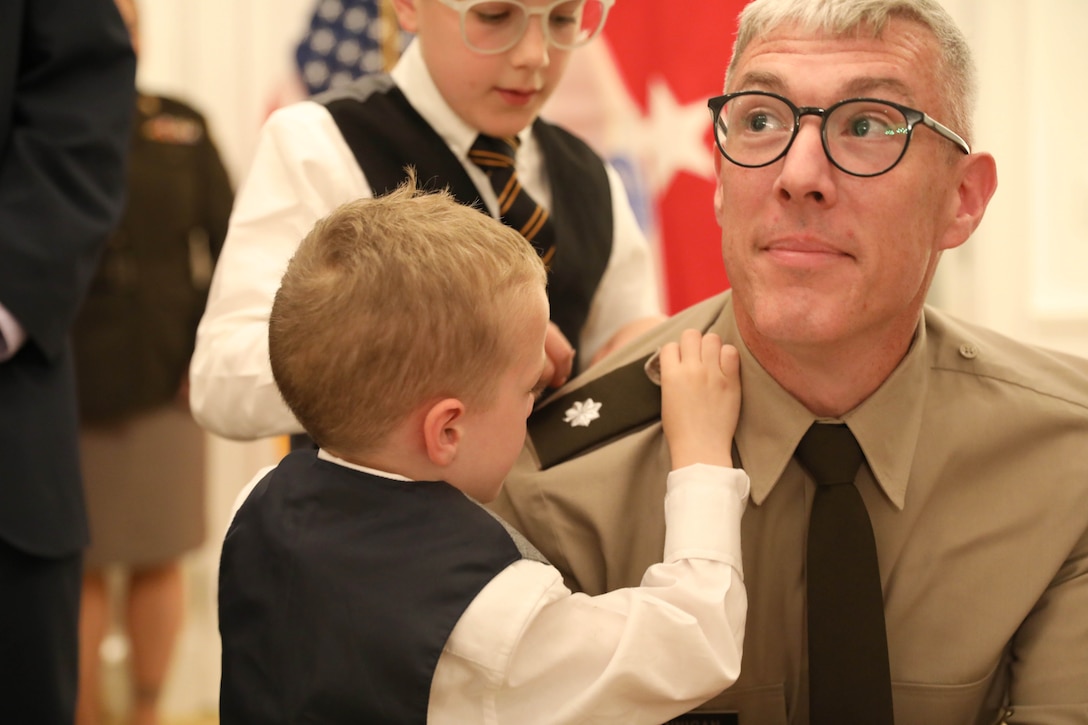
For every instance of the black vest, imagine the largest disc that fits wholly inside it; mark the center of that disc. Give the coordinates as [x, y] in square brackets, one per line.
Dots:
[338, 591]
[386, 134]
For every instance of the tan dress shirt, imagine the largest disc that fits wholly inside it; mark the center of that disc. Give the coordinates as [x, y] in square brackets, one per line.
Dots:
[977, 487]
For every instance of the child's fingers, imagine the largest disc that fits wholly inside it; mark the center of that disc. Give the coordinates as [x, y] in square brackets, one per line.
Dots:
[560, 357]
[729, 362]
[696, 348]
[668, 357]
[691, 346]
[711, 346]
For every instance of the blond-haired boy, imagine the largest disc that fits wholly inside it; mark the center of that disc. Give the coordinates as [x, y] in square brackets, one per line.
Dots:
[364, 583]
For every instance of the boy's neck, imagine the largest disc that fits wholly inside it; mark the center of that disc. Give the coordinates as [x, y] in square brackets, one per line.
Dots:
[401, 453]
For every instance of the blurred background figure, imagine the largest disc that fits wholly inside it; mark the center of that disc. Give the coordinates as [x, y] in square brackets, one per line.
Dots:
[66, 84]
[142, 454]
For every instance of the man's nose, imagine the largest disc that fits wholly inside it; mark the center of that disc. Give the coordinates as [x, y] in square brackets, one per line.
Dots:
[807, 172]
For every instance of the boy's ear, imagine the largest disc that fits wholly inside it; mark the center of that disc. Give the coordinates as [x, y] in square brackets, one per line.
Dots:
[406, 14]
[443, 431]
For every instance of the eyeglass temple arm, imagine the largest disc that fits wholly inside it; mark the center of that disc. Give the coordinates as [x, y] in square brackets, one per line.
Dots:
[946, 132]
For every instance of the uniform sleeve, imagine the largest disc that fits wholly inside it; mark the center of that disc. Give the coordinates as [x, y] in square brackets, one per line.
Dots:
[302, 170]
[527, 650]
[61, 158]
[1050, 651]
[630, 287]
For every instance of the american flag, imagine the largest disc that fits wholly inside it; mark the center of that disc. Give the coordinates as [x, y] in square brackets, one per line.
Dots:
[348, 39]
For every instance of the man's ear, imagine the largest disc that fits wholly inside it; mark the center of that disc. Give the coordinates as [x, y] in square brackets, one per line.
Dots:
[717, 183]
[443, 430]
[978, 182]
[406, 15]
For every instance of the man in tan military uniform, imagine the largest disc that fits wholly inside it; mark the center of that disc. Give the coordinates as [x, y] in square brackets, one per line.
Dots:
[975, 476]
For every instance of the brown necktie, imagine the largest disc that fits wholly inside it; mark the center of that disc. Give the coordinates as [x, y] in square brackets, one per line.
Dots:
[849, 678]
[516, 208]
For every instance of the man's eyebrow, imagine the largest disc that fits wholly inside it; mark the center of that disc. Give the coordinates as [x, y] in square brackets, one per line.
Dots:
[761, 80]
[867, 86]
[871, 86]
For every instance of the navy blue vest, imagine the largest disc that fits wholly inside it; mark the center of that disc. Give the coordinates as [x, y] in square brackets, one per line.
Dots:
[386, 134]
[338, 591]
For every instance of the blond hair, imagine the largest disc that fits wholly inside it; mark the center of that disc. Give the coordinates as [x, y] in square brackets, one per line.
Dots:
[391, 302]
[955, 67]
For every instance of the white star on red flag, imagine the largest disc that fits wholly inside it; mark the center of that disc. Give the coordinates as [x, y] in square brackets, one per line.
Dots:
[641, 102]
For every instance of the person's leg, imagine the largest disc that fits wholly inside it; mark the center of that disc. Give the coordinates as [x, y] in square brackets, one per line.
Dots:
[94, 620]
[155, 612]
[39, 640]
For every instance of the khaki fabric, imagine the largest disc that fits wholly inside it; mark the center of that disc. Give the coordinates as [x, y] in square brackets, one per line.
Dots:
[977, 485]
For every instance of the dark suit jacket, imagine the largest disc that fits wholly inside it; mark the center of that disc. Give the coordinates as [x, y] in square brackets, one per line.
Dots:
[67, 76]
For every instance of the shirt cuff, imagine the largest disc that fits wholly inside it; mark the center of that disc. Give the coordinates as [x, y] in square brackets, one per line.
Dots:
[703, 508]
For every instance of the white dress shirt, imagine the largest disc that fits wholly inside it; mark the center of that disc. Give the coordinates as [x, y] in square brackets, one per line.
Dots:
[302, 170]
[527, 650]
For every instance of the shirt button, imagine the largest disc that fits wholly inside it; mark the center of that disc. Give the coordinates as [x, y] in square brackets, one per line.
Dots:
[968, 350]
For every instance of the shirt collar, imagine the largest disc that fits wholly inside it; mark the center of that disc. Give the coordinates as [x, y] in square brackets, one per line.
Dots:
[772, 421]
[414, 80]
[887, 425]
[326, 456]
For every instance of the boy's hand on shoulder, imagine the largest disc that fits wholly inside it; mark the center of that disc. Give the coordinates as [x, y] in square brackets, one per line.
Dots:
[700, 399]
[560, 358]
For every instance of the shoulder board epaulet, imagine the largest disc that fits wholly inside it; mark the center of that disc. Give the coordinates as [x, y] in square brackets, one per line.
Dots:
[598, 411]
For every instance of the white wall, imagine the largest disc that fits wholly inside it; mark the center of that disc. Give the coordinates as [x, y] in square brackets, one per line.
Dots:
[1023, 273]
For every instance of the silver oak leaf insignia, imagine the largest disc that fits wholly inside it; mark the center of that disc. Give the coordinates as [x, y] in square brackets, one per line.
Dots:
[582, 413]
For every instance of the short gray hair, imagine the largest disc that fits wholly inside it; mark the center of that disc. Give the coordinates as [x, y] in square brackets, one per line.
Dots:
[956, 68]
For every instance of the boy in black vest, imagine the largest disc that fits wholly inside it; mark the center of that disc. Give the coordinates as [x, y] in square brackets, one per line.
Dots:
[466, 92]
[364, 583]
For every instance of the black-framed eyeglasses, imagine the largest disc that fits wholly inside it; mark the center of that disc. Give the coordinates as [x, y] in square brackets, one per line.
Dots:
[495, 26]
[861, 136]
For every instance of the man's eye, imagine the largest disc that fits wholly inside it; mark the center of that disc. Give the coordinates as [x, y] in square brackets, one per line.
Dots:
[872, 125]
[863, 127]
[761, 122]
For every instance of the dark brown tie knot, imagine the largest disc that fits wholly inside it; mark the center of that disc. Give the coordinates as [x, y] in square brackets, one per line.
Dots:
[489, 152]
[830, 453]
[495, 156]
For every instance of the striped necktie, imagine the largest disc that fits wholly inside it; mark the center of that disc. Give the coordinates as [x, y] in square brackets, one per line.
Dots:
[516, 208]
[848, 671]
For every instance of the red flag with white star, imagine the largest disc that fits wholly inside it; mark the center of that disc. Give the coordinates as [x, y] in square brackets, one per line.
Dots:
[672, 57]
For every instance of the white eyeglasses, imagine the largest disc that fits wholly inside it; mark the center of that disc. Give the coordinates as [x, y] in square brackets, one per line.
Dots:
[495, 26]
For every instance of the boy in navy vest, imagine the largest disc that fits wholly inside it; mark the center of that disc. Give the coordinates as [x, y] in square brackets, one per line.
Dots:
[476, 71]
[363, 582]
